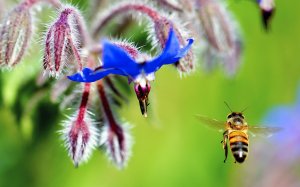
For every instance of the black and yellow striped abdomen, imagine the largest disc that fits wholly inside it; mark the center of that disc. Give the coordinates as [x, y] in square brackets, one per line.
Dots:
[238, 141]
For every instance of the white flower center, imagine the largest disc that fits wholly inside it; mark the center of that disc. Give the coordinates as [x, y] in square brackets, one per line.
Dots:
[142, 79]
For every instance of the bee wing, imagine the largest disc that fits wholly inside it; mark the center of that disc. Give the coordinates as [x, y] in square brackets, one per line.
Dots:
[212, 123]
[263, 131]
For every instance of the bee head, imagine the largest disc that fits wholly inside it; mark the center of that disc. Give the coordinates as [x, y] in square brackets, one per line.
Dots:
[236, 119]
[235, 115]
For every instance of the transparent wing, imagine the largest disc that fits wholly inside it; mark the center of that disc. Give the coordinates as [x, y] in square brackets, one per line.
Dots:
[211, 123]
[262, 131]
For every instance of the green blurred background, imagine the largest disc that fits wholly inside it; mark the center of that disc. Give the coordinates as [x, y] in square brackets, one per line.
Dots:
[171, 148]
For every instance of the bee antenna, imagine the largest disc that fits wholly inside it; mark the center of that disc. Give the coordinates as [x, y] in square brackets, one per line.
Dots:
[244, 109]
[227, 106]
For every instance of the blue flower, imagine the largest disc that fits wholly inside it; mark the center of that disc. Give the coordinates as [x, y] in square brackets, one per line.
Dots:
[118, 61]
[275, 162]
[288, 118]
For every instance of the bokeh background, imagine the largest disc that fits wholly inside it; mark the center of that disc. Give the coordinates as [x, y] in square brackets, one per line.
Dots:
[171, 147]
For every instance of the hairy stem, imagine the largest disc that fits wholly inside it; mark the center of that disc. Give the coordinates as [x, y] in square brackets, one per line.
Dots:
[105, 104]
[146, 10]
[84, 102]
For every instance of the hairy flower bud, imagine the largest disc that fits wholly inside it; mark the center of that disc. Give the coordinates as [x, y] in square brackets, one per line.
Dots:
[63, 41]
[117, 143]
[80, 136]
[130, 48]
[221, 34]
[79, 133]
[115, 138]
[15, 34]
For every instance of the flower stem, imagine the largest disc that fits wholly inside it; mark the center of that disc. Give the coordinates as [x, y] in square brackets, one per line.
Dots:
[113, 128]
[106, 107]
[84, 101]
[115, 90]
[150, 12]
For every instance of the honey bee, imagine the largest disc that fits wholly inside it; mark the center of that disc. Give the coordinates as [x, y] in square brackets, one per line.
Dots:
[236, 132]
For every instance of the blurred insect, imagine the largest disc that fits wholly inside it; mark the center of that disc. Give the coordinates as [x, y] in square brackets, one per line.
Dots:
[267, 11]
[236, 132]
[267, 8]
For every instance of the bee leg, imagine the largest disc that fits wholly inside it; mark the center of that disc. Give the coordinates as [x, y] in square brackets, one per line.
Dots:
[226, 152]
[224, 141]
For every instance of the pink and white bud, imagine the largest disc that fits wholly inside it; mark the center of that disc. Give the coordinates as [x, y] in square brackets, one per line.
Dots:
[115, 138]
[80, 133]
[63, 42]
[221, 34]
[80, 136]
[15, 34]
[117, 142]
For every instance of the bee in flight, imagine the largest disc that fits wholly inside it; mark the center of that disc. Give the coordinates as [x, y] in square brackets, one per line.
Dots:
[236, 132]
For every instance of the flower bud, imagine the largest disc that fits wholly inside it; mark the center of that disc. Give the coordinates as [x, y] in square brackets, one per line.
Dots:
[63, 41]
[117, 142]
[79, 133]
[221, 34]
[80, 136]
[15, 34]
[115, 138]
[130, 48]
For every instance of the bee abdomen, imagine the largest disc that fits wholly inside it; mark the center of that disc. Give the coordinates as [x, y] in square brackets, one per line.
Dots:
[239, 151]
[239, 146]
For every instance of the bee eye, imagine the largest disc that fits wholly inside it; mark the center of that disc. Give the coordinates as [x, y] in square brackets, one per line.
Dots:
[241, 115]
[229, 116]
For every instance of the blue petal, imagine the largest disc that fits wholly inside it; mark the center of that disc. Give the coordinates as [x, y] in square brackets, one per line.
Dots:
[115, 57]
[183, 51]
[171, 53]
[117, 61]
[280, 116]
[88, 75]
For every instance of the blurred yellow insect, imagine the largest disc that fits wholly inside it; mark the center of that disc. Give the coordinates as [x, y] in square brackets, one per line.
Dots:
[236, 132]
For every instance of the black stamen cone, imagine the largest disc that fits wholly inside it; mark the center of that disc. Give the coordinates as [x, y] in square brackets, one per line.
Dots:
[266, 18]
[143, 107]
